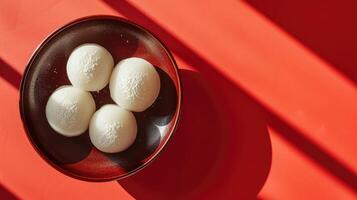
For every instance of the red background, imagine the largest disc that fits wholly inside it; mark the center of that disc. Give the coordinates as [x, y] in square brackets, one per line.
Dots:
[269, 100]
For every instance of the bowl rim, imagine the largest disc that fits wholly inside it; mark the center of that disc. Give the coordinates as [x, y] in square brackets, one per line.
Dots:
[24, 78]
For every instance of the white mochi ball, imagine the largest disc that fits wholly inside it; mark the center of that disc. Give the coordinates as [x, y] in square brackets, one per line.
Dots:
[89, 67]
[112, 129]
[69, 110]
[134, 84]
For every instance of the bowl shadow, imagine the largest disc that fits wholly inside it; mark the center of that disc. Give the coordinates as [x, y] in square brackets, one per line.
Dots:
[217, 151]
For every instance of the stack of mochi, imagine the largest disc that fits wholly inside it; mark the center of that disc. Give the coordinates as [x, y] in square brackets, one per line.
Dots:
[134, 85]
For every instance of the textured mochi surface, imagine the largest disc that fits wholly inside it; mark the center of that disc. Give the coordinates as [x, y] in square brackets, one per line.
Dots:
[69, 110]
[134, 84]
[112, 129]
[89, 67]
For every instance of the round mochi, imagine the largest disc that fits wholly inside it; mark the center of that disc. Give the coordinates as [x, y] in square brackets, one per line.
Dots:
[112, 129]
[89, 67]
[69, 110]
[134, 84]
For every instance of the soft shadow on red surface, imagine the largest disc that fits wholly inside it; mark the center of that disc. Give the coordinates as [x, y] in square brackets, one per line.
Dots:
[207, 70]
[329, 28]
[5, 194]
[9, 74]
[207, 73]
[216, 152]
[315, 152]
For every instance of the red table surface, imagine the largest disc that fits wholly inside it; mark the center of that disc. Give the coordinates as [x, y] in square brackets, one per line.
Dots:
[270, 100]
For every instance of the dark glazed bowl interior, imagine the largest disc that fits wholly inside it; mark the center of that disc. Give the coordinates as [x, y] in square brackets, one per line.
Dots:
[46, 71]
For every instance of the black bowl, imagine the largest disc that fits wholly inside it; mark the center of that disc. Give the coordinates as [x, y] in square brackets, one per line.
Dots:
[46, 71]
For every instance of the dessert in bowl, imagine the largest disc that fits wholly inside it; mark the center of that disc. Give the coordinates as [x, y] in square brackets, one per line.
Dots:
[74, 154]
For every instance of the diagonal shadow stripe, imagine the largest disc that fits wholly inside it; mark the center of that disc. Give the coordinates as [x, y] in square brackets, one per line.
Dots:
[313, 150]
[291, 134]
[328, 28]
[9, 74]
[6, 194]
